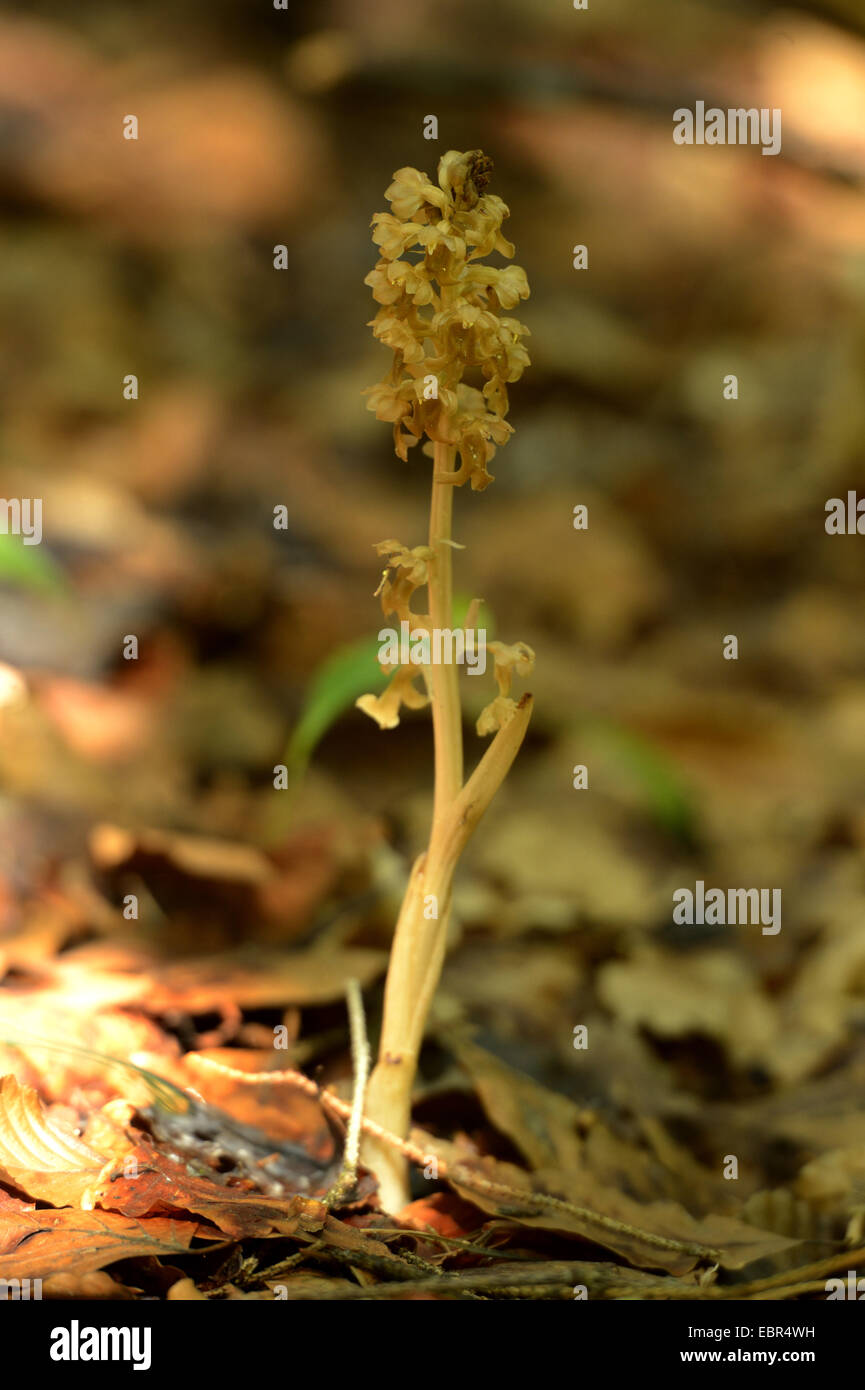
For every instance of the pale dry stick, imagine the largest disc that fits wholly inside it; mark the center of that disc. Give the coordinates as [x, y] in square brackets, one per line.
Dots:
[776, 1287]
[360, 1064]
[473, 1247]
[347, 1180]
[551, 1280]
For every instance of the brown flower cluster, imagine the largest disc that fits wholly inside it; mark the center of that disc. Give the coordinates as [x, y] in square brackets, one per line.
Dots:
[442, 313]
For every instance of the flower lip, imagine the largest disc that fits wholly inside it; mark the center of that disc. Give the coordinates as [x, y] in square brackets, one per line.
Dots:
[465, 176]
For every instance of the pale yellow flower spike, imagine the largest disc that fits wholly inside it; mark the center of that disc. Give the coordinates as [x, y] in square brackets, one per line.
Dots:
[441, 313]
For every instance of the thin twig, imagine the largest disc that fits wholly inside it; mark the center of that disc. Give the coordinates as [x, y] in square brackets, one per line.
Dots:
[472, 1247]
[347, 1180]
[555, 1279]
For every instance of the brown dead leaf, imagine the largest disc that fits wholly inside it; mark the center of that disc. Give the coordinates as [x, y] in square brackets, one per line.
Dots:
[186, 1291]
[567, 868]
[657, 1235]
[57, 1073]
[93, 978]
[96, 1285]
[834, 1182]
[262, 979]
[713, 993]
[41, 1157]
[158, 1186]
[443, 1212]
[543, 1125]
[280, 1111]
[345, 1236]
[36, 1244]
[205, 884]
[73, 985]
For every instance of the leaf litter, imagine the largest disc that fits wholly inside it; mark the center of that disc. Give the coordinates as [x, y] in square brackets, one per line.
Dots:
[537, 1166]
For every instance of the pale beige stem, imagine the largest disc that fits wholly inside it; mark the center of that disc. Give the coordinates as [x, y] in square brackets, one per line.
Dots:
[443, 676]
[421, 930]
[388, 1101]
[418, 954]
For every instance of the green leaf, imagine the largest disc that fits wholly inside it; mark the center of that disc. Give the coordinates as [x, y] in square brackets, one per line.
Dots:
[351, 671]
[28, 566]
[667, 796]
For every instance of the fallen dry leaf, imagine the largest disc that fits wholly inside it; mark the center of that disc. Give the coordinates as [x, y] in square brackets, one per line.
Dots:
[262, 979]
[713, 993]
[543, 1125]
[96, 1285]
[207, 885]
[159, 1185]
[36, 1244]
[656, 1235]
[42, 1158]
[280, 1111]
[185, 1291]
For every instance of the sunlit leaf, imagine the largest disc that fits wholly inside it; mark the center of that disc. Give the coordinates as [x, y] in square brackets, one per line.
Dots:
[39, 1156]
[36, 1244]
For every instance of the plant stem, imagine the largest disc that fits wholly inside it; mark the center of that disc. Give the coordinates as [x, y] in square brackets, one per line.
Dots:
[421, 931]
[444, 685]
[417, 956]
[389, 1094]
[418, 944]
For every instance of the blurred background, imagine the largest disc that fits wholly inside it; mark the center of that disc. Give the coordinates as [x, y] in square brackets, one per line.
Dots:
[261, 128]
